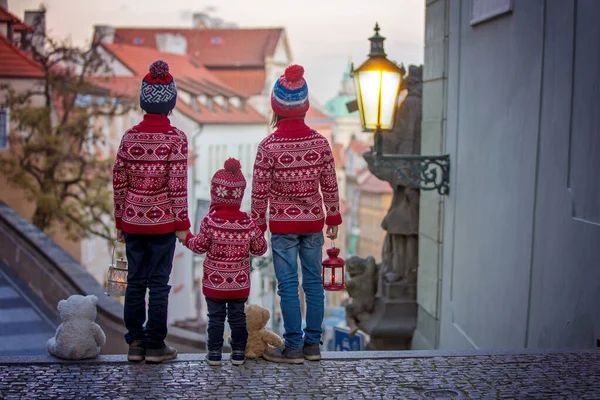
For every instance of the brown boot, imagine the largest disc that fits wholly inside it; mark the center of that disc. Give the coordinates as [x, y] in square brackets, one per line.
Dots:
[159, 355]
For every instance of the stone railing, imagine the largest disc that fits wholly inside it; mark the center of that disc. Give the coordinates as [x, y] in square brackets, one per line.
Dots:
[53, 275]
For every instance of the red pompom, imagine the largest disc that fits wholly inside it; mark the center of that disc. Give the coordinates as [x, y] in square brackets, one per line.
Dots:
[232, 165]
[159, 69]
[294, 73]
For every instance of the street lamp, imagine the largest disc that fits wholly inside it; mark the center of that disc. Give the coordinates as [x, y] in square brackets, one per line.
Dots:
[377, 83]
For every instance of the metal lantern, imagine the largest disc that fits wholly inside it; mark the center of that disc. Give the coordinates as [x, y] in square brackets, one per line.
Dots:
[116, 284]
[333, 270]
[377, 84]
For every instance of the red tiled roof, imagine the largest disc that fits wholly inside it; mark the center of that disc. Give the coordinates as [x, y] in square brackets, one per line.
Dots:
[314, 113]
[189, 76]
[214, 47]
[247, 115]
[375, 185]
[138, 59]
[14, 63]
[21, 26]
[6, 16]
[249, 82]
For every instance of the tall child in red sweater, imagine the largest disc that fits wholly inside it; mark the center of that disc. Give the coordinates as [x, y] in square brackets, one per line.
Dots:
[228, 236]
[150, 194]
[293, 167]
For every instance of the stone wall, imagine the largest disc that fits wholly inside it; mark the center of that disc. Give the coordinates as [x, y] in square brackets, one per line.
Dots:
[53, 275]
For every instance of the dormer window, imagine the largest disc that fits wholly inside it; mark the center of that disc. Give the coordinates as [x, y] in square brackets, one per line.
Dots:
[203, 100]
[235, 102]
[138, 41]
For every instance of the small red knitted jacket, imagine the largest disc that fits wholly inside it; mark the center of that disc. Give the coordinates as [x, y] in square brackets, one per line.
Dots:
[150, 178]
[228, 244]
[291, 165]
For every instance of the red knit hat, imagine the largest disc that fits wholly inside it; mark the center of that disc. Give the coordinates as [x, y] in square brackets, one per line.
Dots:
[228, 184]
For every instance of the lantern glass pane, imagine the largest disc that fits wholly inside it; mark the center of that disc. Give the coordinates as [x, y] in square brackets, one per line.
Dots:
[327, 276]
[370, 86]
[339, 276]
[390, 81]
[358, 98]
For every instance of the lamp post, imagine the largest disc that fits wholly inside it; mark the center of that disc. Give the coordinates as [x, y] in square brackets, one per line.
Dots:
[377, 83]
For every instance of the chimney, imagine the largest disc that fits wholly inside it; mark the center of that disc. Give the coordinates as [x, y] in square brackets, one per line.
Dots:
[200, 21]
[104, 33]
[37, 20]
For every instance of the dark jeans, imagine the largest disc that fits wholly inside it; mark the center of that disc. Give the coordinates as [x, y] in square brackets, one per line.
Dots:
[149, 259]
[236, 316]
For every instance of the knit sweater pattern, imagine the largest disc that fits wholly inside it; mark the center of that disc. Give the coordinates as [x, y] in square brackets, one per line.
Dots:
[228, 245]
[150, 178]
[294, 178]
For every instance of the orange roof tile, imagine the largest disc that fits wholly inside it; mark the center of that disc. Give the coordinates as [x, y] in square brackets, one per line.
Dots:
[138, 59]
[249, 82]
[246, 115]
[14, 63]
[214, 47]
[189, 76]
[375, 185]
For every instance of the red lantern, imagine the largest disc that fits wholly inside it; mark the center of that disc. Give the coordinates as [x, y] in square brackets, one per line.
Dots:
[333, 270]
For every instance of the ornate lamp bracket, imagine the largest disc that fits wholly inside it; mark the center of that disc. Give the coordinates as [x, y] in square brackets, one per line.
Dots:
[417, 171]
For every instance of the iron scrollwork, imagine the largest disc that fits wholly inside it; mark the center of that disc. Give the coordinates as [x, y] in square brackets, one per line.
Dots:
[419, 172]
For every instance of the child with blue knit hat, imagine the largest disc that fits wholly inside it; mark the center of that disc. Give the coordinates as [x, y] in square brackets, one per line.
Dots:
[294, 178]
[150, 197]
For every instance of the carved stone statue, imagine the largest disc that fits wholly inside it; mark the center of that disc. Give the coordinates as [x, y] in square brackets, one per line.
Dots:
[387, 310]
[400, 249]
[361, 288]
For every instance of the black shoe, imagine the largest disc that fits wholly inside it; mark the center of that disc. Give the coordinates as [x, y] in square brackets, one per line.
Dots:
[284, 354]
[312, 352]
[238, 357]
[161, 354]
[137, 351]
[213, 357]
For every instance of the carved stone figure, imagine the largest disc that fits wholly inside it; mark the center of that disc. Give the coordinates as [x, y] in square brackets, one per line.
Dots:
[400, 249]
[361, 287]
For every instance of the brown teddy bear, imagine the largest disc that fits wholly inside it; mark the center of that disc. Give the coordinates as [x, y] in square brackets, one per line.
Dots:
[259, 339]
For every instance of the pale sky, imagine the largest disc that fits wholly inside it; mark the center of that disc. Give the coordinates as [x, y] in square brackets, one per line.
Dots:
[322, 33]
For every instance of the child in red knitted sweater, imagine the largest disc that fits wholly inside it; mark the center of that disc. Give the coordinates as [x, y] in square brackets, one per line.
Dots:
[228, 236]
[150, 196]
[294, 177]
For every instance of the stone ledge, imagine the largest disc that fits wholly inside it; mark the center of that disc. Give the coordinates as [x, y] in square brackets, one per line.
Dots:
[327, 356]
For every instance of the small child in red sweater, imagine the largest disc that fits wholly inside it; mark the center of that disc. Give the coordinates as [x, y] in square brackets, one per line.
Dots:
[228, 236]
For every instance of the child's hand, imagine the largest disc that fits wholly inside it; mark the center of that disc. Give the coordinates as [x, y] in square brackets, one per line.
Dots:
[182, 235]
[332, 232]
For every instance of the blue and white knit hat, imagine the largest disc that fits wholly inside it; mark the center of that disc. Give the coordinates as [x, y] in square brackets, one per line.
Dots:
[158, 93]
[290, 94]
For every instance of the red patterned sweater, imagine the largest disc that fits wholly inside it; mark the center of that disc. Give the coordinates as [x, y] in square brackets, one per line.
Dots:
[291, 164]
[228, 245]
[150, 178]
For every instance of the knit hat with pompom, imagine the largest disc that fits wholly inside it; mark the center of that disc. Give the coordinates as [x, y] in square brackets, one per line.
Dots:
[158, 93]
[290, 94]
[228, 184]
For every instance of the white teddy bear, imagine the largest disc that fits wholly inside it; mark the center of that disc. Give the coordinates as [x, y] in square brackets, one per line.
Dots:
[78, 336]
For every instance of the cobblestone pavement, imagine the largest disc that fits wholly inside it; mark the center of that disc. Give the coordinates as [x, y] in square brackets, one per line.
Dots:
[536, 376]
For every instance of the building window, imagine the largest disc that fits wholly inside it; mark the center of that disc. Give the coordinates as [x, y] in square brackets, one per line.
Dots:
[3, 128]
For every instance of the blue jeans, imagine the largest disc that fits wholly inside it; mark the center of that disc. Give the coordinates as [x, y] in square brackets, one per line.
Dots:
[149, 260]
[234, 310]
[286, 249]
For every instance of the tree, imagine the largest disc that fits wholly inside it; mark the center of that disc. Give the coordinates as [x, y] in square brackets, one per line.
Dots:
[56, 156]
